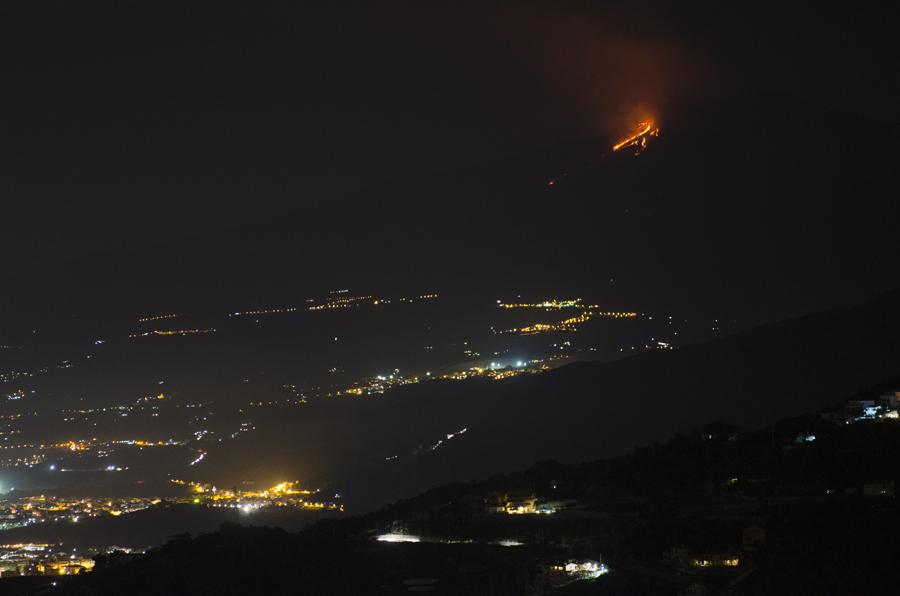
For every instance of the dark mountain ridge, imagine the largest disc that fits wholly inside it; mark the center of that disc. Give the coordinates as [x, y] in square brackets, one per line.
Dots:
[759, 208]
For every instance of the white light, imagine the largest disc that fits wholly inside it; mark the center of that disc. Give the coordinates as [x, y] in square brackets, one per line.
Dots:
[398, 538]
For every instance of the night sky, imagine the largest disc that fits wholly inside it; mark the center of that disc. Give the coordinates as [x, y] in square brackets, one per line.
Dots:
[129, 123]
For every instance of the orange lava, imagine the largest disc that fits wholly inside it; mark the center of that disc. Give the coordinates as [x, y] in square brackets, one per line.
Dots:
[639, 139]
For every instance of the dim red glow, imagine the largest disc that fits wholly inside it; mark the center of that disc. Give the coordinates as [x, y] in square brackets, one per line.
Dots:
[639, 139]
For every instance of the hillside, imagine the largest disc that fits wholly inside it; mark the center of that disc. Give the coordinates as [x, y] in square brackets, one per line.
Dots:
[790, 515]
[584, 411]
[772, 238]
[787, 215]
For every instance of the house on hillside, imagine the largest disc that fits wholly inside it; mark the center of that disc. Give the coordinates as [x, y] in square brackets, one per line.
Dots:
[753, 536]
[553, 570]
[879, 489]
[871, 412]
[520, 502]
[73, 569]
[889, 400]
[584, 568]
[856, 408]
[495, 503]
[716, 559]
[557, 569]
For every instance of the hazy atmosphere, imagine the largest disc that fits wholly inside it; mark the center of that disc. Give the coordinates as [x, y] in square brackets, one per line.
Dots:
[604, 284]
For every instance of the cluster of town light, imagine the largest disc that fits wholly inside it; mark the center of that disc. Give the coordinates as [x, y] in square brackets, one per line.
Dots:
[341, 302]
[548, 304]
[178, 332]
[285, 494]
[262, 312]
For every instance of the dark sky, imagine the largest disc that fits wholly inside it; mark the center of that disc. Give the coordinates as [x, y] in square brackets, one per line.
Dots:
[125, 123]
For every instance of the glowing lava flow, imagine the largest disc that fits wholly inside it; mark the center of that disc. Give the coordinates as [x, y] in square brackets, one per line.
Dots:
[639, 140]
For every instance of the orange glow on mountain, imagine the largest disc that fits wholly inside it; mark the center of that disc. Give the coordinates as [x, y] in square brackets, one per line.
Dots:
[639, 139]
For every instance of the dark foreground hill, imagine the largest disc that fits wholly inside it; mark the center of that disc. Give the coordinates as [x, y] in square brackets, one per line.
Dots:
[820, 490]
[815, 529]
